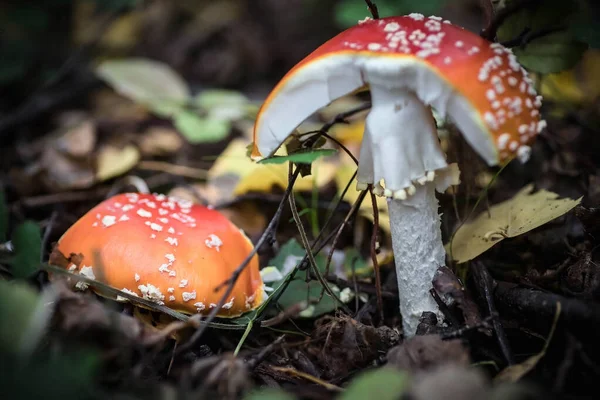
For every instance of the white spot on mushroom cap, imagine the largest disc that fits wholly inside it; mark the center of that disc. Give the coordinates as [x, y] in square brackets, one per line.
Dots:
[109, 220]
[391, 27]
[187, 296]
[143, 213]
[524, 153]
[503, 140]
[183, 283]
[213, 241]
[199, 306]
[172, 241]
[229, 304]
[156, 227]
[152, 293]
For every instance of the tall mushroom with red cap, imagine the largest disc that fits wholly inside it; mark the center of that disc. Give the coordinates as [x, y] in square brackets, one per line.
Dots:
[410, 63]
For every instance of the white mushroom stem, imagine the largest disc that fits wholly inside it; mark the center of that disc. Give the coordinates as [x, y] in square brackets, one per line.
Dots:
[401, 147]
[418, 252]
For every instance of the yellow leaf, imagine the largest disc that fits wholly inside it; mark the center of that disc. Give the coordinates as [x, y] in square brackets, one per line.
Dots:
[578, 85]
[349, 133]
[253, 177]
[511, 218]
[114, 161]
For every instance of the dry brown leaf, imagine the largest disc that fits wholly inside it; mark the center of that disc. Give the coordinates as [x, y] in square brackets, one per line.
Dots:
[60, 172]
[114, 161]
[511, 218]
[79, 138]
[159, 141]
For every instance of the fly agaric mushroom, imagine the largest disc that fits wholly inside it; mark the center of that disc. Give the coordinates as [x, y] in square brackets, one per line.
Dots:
[410, 63]
[166, 250]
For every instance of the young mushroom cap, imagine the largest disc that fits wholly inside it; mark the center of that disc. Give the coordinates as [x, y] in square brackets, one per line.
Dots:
[166, 250]
[479, 84]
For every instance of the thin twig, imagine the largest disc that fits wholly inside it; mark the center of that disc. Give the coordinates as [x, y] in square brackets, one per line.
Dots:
[339, 231]
[309, 253]
[485, 284]
[374, 254]
[372, 9]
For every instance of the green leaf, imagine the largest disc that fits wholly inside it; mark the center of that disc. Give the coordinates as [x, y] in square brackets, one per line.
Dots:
[197, 129]
[148, 82]
[382, 384]
[551, 53]
[349, 12]
[298, 291]
[27, 241]
[269, 394]
[227, 105]
[3, 217]
[18, 303]
[214, 98]
[299, 157]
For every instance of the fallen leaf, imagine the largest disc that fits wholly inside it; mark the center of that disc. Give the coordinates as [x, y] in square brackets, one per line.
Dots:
[349, 133]
[60, 172]
[426, 352]
[159, 141]
[197, 129]
[148, 82]
[253, 177]
[513, 373]
[511, 218]
[79, 138]
[114, 161]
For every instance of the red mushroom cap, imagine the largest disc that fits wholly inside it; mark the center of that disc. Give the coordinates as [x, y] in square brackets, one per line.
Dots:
[497, 108]
[166, 250]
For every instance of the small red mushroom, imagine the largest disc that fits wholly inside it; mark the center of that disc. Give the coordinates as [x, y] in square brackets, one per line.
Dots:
[411, 63]
[166, 250]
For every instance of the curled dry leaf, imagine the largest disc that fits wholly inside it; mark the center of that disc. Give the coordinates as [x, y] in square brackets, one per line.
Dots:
[426, 352]
[80, 137]
[522, 213]
[159, 141]
[113, 161]
[61, 172]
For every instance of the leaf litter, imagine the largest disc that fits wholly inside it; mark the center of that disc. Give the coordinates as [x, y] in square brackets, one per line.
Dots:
[153, 126]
